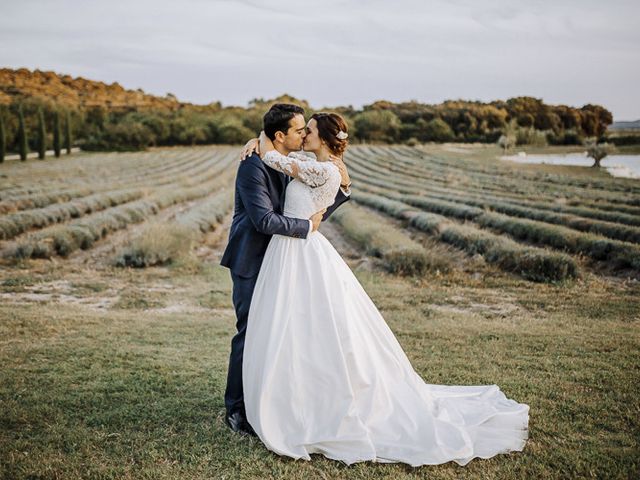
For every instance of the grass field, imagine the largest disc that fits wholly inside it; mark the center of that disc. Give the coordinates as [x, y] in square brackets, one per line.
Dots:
[514, 275]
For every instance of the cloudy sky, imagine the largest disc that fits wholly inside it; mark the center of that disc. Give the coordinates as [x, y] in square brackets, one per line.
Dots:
[338, 52]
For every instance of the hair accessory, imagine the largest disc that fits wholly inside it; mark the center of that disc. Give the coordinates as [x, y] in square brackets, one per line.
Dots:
[342, 135]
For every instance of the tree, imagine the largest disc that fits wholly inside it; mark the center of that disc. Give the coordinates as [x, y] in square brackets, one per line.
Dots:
[438, 130]
[508, 137]
[232, 131]
[97, 116]
[121, 137]
[42, 135]
[23, 146]
[598, 151]
[67, 133]
[506, 142]
[56, 133]
[380, 125]
[3, 139]
[595, 120]
[157, 124]
[569, 117]
[519, 107]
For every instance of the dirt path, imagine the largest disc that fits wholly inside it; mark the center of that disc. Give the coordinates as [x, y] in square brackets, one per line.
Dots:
[211, 249]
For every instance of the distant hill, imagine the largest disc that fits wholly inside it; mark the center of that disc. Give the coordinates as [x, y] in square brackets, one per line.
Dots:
[77, 92]
[632, 125]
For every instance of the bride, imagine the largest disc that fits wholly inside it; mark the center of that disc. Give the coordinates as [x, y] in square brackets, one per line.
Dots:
[323, 373]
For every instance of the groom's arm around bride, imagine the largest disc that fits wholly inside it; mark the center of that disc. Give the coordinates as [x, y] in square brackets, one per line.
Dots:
[258, 198]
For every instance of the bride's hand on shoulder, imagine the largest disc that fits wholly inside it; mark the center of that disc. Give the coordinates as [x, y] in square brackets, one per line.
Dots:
[336, 160]
[251, 146]
[344, 173]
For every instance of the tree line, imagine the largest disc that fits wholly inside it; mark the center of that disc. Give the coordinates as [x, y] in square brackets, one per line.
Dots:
[33, 123]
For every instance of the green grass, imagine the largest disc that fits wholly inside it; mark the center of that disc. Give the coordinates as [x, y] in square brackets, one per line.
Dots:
[132, 392]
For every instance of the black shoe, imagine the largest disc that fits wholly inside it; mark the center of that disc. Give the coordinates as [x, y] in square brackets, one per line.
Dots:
[238, 423]
[249, 429]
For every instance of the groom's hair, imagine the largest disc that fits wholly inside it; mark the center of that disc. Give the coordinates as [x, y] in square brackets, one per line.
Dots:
[277, 118]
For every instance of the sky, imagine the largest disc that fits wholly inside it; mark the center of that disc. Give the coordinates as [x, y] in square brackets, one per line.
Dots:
[338, 52]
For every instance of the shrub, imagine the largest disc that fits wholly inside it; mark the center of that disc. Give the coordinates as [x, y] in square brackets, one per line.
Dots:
[506, 142]
[531, 136]
[411, 261]
[438, 130]
[534, 264]
[209, 214]
[530, 262]
[399, 253]
[159, 244]
[625, 140]
[19, 222]
[443, 207]
[621, 254]
[598, 151]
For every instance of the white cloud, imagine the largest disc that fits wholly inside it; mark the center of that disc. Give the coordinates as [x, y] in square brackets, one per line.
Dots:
[333, 52]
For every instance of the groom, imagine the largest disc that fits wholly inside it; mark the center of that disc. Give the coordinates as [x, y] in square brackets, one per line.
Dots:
[259, 201]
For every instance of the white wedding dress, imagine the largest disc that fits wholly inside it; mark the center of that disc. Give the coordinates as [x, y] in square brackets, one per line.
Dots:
[323, 373]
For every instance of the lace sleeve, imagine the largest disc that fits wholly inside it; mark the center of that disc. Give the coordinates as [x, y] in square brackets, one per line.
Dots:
[300, 156]
[310, 172]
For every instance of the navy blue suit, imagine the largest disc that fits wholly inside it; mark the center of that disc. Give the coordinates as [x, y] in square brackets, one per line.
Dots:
[257, 215]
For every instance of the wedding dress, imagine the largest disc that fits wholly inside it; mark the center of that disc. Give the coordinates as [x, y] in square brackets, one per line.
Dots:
[323, 373]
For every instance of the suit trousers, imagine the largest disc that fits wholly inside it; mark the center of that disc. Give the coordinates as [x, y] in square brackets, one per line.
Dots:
[242, 292]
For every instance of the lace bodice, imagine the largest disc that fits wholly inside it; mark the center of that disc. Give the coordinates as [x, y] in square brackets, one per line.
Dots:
[315, 187]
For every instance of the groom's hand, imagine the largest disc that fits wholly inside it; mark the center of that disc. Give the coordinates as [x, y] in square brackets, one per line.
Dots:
[316, 218]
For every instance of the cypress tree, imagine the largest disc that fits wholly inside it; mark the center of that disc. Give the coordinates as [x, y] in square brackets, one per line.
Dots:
[42, 135]
[23, 147]
[56, 133]
[67, 133]
[3, 139]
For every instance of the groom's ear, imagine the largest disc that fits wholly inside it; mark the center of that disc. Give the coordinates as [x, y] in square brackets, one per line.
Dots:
[279, 137]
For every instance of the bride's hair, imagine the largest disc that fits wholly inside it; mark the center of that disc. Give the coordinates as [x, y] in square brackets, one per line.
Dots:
[329, 125]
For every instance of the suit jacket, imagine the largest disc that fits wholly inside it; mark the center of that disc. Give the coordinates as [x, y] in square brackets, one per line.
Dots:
[257, 215]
